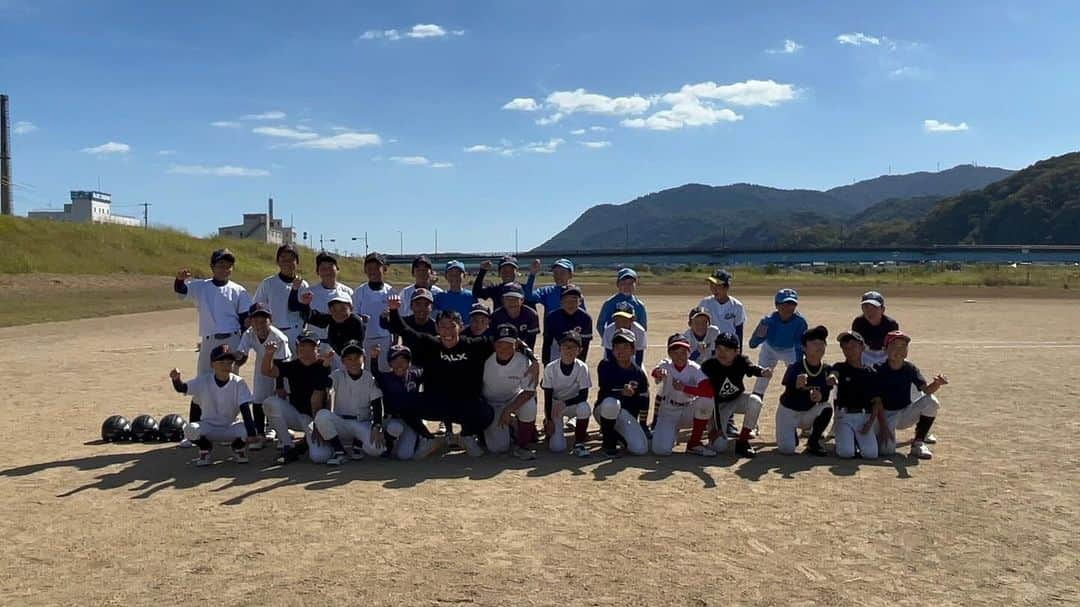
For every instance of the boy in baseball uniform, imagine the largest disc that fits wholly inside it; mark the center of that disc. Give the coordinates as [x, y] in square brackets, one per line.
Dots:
[308, 377]
[455, 297]
[805, 401]
[857, 402]
[370, 300]
[222, 394]
[679, 409]
[510, 380]
[623, 398]
[725, 311]
[326, 266]
[873, 325]
[569, 316]
[780, 336]
[423, 278]
[508, 267]
[479, 321]
[515, 312]
[702, 334]
[402, 389]
[341, 323]
[355, 419]
[895, 379]
[626, 282]
[223, 307]
[623, 319]
[550, 296]
[724, 376]
[261, 332]
[566, 386]
[273, 292]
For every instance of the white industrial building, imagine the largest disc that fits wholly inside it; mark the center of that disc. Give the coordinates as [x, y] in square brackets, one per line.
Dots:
[87, 207]
[262, 227]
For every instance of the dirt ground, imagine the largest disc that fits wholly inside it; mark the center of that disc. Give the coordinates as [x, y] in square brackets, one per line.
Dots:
[987, 521]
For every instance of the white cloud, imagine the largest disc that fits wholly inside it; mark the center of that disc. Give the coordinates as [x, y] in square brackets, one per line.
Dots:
[111, 147]
[481, 148]
[442, 165]
[552, 119]
[420, 30]
[522, 104]
[284, 133]
[225, 124]
[271, 115]
[23, 127]
[934, 126]
[858, 39]
[568, 102]
[690, 113]
[227, 170]
[598, 129]
[341, 141]
[596, 144]
[908, 72]
[411, 160]
[790, 47]
[747, 93]
[166, 152]
[426, 30]
[304, 127]
[543, 147]
[578, 132]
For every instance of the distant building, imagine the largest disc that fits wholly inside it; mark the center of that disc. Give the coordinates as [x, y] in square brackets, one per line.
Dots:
[87, 207]
[261, 226]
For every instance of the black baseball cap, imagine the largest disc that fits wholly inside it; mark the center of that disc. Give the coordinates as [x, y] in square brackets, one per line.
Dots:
[624, 335]
[720, 277]
[700, 311]
[513, 289]
[422, 294]
[288, 248]
[259, 309]
[506, 332]
[324, 257]
[378, 258]
[873, 298]
[220, 254]
[572, 336]
[307, 337]
[222, 352]
[818, 333]
[571, 290]
[847, 336]
[398, 351]
[479, 308]
[352, 346]
[508, 260]
[421, 260]
[728, 340]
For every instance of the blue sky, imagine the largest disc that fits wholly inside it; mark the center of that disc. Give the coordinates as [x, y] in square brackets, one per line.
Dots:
[381, 117]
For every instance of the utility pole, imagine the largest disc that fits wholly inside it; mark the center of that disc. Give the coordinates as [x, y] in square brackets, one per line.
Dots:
[321, 247]
[515, 242]
[5, 159]
[145, 214]
[401, 243]
[436, 241]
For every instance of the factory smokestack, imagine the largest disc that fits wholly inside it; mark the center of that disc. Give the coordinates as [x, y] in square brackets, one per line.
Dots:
[270, 208]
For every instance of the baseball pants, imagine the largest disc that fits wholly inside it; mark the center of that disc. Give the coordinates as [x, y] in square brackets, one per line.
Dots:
[283, 416]
[768, 359]
[906, 418]
[848, 430]
[214, 431]
[557, 442]
[208, 344]
[405, 439]
[497, 438]
[790, 421]
[332, 425]
[626, 424]
[671, 417]
[747, 404]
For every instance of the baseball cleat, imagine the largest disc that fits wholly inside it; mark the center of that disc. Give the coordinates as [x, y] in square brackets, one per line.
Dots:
[813, 447]
[240, 456]
[185, 444]
[426, 447]
[743, 449]
[580, 450]
[356, 454]
[471, 445]
[920, 450]
[701, 450]
[612, 451]
[524, 454]
[257, 444]
[288, 455]
[720, 444]
[930, 439]
[203, 459]
[336, 460]
[271, 434]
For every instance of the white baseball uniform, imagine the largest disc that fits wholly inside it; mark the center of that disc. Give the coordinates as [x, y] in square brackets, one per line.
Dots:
[274, 292]
[219, 310]
[702, 348]
[320, 302]
[768, 358]
[264, 385]
[220, 408]
[727, 315]
[563, 388]
[502, 384]
[350, 418]
[677, 408]
[372, 303]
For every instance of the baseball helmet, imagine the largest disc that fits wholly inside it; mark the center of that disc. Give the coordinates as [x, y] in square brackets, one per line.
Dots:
[171, 428]
[116, 428]
[144, 428]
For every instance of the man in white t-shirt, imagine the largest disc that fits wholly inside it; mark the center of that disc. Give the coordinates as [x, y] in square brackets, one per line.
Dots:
[356, 417]
[370, 299]
[274, 292]
[223, 395]
[261, 332]
[510, 380]
[726, 312]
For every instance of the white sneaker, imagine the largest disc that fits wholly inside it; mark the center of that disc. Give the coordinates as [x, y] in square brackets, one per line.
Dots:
[471, 445]
[930, 439]
[240, 456]
[204, 459]
[425, 447]
[524, 454]
[920, 450]
[185, 444]
[701, 450]
[271, 434]
[336, 460]
[580, 451]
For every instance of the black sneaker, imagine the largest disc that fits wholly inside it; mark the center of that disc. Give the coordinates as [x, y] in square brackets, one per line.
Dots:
[611, 451]
[731, 429]
[288, 455]
[743, 449]
[813, 447]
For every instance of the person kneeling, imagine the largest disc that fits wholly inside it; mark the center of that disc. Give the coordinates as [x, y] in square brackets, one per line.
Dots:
[222, 395]
[510, 379]
[857, 404]
[804, 403]
[677, 408]
[624, 398]
[896, 377]
[356, 417]
[309, 379]
[566, 395]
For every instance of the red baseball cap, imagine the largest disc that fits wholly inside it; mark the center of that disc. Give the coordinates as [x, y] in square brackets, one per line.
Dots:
[892, 336]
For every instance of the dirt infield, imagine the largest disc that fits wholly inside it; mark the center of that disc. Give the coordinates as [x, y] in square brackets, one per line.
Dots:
[986, 522]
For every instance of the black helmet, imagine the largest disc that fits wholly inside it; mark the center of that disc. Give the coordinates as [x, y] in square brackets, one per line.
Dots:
[144, 428]
[171, 428]
[115, 429]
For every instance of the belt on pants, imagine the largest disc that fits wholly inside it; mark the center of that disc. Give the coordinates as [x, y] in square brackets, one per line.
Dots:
[844, 410]
[672, 402]
[349, 417]
[288, 328]
[221, 335]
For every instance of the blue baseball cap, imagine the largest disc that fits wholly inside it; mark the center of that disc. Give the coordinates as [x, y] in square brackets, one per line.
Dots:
[453, 263]
[563, 263]
[720, 277]
[786, 295]
[625, 273]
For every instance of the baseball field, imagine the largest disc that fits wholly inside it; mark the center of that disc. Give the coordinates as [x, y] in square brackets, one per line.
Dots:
[991, 520]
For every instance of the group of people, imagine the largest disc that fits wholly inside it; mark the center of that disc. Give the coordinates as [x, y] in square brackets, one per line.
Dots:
[363, 372]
